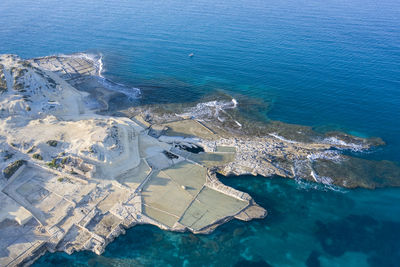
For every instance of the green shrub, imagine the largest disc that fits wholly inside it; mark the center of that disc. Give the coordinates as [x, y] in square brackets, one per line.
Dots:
[53, 164]
[37, 156]
[12, 168]
[3, 83]
[31, 149]
[26, 64]
[52, 143]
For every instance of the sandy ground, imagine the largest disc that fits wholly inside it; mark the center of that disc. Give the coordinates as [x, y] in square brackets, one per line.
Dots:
[74, 179]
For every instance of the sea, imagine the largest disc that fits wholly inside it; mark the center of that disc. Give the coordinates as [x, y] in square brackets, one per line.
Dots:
[330, 65]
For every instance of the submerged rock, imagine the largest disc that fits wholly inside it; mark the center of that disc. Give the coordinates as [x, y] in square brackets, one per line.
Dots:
[92, 175]
[98, 174]
[313, 259]
[361, 233]
[274, 148]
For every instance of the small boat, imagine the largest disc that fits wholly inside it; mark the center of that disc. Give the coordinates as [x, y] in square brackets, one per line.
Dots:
[191, 55]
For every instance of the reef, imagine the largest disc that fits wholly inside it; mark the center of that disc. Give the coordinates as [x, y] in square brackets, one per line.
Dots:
[73, 179]
[235, 145]
[77, 172]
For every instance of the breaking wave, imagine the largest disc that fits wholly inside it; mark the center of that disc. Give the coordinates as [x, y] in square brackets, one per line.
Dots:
[338, 142]
[331, 155]
[97, 60]
[307, 185]
[282, 138]
[212, 109]
[324, 183]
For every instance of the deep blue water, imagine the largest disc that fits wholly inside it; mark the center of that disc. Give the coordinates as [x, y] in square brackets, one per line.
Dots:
[331, 64]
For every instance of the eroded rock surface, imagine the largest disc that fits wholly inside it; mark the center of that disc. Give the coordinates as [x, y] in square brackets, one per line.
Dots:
[74, 177]
[236, 149]
[75, 180]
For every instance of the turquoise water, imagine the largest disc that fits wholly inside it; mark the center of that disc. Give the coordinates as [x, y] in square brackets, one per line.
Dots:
[331, 64]
[305, 227]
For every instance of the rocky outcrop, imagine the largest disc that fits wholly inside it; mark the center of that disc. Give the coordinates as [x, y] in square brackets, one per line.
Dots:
[78, 177]
[75, 180]
[321, 158]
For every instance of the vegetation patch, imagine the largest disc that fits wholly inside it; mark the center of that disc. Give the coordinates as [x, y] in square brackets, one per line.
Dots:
[18, 72]
[37, 156]
[64, 160]
[31, 149]
[52, 143]
[26, 64]
[12, 168]
[54, 164]
[3, 83]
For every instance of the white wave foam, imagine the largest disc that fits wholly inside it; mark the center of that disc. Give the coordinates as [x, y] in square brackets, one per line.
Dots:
[97, 61]
[331, 155]
[306, 185]
[234, 101]
[304, 166]
[334, 141]
[131, 92]
[321, 179]
[211, 109]
[282, 138]
[342, 144]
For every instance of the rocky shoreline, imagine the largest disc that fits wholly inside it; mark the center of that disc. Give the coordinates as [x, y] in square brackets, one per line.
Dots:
[75, 177]
[261, 150]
